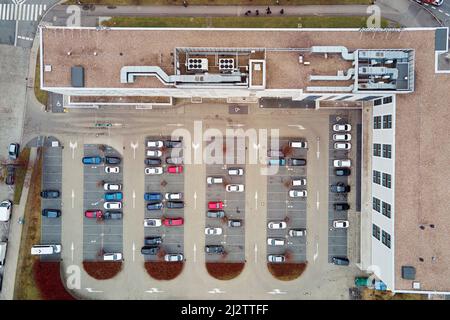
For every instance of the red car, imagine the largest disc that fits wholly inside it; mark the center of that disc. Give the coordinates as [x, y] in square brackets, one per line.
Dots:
[175, 169]
[170, 222]
[215, 205]
[96, 214]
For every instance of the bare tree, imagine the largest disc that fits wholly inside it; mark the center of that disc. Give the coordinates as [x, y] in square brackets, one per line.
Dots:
[287, 150]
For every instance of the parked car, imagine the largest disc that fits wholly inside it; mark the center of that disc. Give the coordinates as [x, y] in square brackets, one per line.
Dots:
[152, 161]
[112, 256]
[298, 193]
[234, 188]
[44, 249]
[5, 210]
[174, 160]
[213, 231]
[276, 258]
[342, 146]
[150, 250]
[154, 206]
[234, 223]
[340, 261]
[276, 162]
[154, 170]
[341, 206]
[214, 180]
[276, 241]
[112, 186]
[94, 214]
[172, 222]
[215, 205]
[339, 188]
[275, 153]
[342, 163]
[175, 169]
[51, 213]
[298, 144]
[276, 225]
[342, 172]
[113, 196]
[342, 137]
[152, 241]
[113, 215]
[340, 224]
[112, 205]
[297, 232]
[154, 144]
[92, 160]
[13, 151]
[152, 196]
[235, 172]
[152, 222]
[112, 160]
[173, 144]
[218, 249]
[175, 204]
[215, 214]
[50, 194]
[154, 153]
[298, 182]
[109, 169]
[342, 128]
[173, 196]
[173, 257]
[436, 3]
[297, 162]
[10, 175]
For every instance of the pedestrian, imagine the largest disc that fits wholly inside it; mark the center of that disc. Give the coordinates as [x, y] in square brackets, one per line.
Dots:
[185, 4]
[282, 11]
[257, 12]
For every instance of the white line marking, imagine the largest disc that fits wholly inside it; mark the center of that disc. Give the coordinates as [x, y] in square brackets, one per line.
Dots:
[195, 253]
[32, 12]
[72, 248]
[317, 203]
[134, 250]
[317, 252]
[256, 254]
[92, 290]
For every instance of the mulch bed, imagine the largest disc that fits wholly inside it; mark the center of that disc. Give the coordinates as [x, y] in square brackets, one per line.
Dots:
[224, 271]
[161, 270]
[47, 276]
[286, 271]
[102, 270]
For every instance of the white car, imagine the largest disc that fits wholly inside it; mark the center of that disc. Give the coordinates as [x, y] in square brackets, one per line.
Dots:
[297, 233]
[342, 128]
[340, 224]
[112, 205]
[298, 193]
[342, 146]
[214, 180]
[276, 225]
[5, 210]
[154, 144]
[342, 137]
[173, 196]
[234, 188]
[112, 256]
[276, 258]
[213, 231]
[154, 170]
[235, 171]
[154, 153]
[152, 222]
[112, 187]
[109, 169]
[173, 257]
[298, 182]
[342, 163]
[276, 241]
[298, 144]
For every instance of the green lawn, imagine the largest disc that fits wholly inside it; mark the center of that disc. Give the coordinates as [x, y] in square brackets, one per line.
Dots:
[41, 95]
[220, 2]
[240, 22]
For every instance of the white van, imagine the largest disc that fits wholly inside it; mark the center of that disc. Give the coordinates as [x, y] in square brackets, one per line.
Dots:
[3, 246]
[40, 249]
[298, 144]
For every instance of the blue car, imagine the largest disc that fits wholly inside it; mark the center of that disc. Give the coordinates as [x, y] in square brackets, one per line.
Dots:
[113, 196]
[152, 196]
[155, 206]
[92, 160]
[277, 162]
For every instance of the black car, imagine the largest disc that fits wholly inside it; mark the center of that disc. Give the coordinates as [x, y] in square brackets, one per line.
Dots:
[173, 144]
[112, 160]
[10, 175]
[51, 213]
[50, 194]
[214, 249]
[340, 261]
[342, 172]
[151, 250]
[113, 215]
[341, 206]
[298, 162]
[339, 188]
[152, 161]
[175, 204]
[154, 206]
[148, 241]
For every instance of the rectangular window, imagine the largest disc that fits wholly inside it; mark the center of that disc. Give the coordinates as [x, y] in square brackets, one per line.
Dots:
[377, 150]
[377, 102]
[376, 204]
[377, 122]
[387, 151]
[386, 238]
[387, 100]
[376, 231]
[386, 209]
[387, 121]
[376, 177]
[386, 182]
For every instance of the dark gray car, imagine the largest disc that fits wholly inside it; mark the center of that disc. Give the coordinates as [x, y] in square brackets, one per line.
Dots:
[50, 194]
[175, 204]
[152, 161]
[150, 250]
[234, 223]
[298, 162]
[112, 160]
[215, 214]
[340, 261]
[173, 144]
[339, 188]
[148, 241]
[214, 249]
[113, 215]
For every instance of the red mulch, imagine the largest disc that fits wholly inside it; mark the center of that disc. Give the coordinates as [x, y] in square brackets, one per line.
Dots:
[161, 270]
[102, 270]
[224, 271]
[47, 276]
[286, 271]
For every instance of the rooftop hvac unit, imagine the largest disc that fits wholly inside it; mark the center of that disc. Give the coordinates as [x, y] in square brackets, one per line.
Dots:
[226, 64]
[195, 64]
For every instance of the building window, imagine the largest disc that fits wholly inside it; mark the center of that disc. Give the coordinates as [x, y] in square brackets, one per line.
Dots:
[386, 238]
[377, 122]
[386, 180]
[376, 204]
[387, 121]
[376, 177]
[386, 209]
[387, 100]
[377, 150]
[376, 231]
[377, 102]
[387, 150]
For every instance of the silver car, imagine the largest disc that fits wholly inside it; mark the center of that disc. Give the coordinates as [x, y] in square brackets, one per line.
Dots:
[276, 258]
[173, 257]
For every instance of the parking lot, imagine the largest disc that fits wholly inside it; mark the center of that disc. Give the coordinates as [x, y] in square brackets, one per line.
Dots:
[51, 181]
[281, 207]
[100, 235]
[165, 183]
[231, 238]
